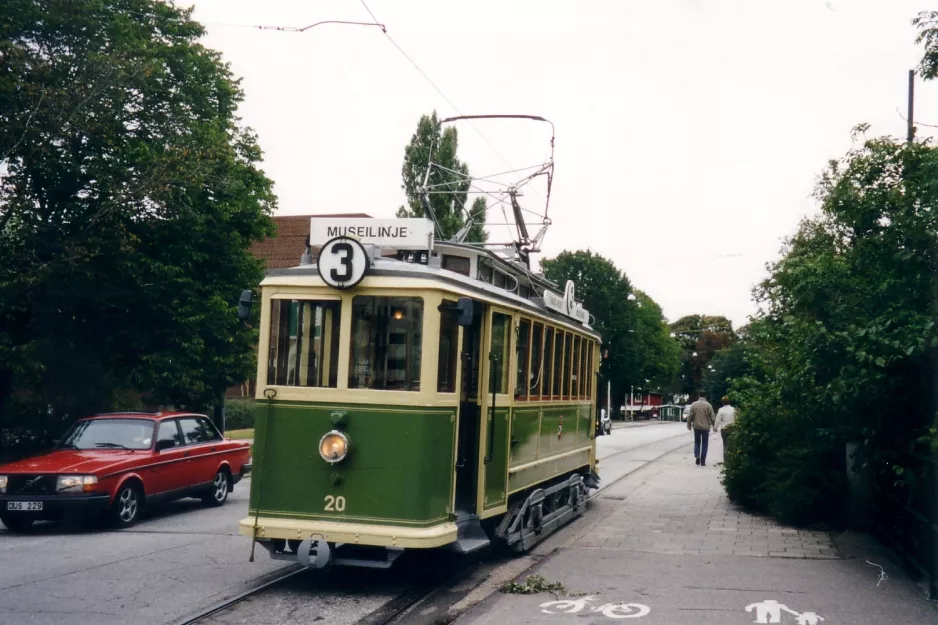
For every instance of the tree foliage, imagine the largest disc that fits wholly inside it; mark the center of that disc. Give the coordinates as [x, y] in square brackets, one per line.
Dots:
[449, 180]
[927, 24]
[634, 332]
[129, 196]
[658, 355]
[700, 337]
[726, 365]
[844, 351]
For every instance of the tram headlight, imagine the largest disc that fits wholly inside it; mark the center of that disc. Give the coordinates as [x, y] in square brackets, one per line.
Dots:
[333, 447]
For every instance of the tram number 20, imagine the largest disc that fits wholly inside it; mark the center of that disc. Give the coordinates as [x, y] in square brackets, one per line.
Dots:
[335, 504]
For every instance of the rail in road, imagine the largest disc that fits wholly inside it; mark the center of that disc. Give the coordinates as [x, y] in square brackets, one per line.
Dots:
[624, 453]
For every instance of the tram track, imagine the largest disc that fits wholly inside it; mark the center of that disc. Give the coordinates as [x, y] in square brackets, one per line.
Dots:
[395, 610]
[618, 479]
[420, 593]
[231, 602]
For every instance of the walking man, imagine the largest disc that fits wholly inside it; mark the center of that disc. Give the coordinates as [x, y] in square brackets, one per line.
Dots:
[701, 418]
[725, 417]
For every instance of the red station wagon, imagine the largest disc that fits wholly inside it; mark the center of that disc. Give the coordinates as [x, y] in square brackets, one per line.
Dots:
[111, 465]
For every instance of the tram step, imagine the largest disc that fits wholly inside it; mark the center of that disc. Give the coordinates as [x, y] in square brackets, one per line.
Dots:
[470, 537]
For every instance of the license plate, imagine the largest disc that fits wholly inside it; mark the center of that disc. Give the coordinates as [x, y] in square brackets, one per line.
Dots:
[24, 505]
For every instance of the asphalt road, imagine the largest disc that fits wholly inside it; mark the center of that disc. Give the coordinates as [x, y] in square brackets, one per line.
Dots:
[182, 557]
[186, 557]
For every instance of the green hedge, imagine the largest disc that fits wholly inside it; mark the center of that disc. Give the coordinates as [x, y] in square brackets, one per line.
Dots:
[239, 414]
[780, 463]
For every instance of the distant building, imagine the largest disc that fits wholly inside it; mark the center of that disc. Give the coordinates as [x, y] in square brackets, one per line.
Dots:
[280, 251]
[643, 406]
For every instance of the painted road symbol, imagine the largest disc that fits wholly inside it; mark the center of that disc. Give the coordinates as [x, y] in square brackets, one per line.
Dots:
[609, 610]
[770, 611]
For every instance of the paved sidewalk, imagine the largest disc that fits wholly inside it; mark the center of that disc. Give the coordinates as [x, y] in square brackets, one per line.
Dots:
[669, 548]
[637, 424]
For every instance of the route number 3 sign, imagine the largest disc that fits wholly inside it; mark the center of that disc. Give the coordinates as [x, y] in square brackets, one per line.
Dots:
[342, 262]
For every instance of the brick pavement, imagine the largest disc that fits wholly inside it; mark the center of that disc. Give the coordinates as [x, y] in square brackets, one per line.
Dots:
[665, 546]
[682, 508]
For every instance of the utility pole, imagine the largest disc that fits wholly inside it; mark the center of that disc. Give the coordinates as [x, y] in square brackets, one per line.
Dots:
[911, 113]
[219, 413]
[609, 398]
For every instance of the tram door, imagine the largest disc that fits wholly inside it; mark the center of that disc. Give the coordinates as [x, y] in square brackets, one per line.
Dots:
[467, 446]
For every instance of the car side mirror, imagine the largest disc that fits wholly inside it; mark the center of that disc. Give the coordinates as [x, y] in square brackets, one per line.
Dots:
[244, 305]
[165, 444]
[464, 309]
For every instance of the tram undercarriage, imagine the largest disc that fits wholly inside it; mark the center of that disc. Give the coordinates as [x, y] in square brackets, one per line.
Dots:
[532, 516]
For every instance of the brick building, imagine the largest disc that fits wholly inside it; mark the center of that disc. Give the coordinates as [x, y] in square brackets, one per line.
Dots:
[280, 251]
[285, 248]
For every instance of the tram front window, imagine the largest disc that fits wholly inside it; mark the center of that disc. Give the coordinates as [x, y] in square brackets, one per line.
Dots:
[386, 343]
[304, 343]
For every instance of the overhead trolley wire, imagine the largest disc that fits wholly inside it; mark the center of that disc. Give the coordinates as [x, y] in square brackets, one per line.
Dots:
[437, 88]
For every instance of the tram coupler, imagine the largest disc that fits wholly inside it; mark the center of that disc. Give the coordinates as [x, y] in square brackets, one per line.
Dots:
[312, 553]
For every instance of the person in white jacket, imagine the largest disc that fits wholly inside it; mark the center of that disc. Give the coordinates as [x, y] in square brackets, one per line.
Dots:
[726, 415]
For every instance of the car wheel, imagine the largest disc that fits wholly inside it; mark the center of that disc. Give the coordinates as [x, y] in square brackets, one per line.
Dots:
[127, 506]
[16, 523]
[218, 494]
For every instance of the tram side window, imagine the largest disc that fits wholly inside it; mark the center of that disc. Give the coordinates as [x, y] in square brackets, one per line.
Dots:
[588, 369]
[449, 342]
[501, 326]
[485, 272]
[386, 343]
[457, 264]
[567, 359]
[558, 363]
[304, 343]
[537, 361]
[581, 364]
[575, 377]
[548, 362]
[524, 361]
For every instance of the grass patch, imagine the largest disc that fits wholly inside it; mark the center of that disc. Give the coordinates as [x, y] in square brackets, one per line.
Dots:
[240, 435]
[533, 585]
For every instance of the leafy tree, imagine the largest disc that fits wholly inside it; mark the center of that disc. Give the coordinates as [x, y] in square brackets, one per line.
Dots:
[728, 364]
[700, 336]
[846, 346]
[450, 176]
[689, 328]
[129, 196]
[659, 354]
[927, 24]
[636, 337]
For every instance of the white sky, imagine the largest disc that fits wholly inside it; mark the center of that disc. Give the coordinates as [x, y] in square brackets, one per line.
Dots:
[689, 132]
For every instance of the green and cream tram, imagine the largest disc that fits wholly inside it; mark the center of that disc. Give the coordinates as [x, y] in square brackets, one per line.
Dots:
[417, 398]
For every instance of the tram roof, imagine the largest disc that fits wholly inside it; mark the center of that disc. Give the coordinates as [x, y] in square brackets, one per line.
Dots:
[394, 266]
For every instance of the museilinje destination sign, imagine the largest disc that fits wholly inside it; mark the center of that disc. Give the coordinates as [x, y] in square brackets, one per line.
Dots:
[397, 233]
[403, 234]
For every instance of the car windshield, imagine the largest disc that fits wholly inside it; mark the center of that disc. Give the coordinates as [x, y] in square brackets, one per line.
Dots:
[110, 434]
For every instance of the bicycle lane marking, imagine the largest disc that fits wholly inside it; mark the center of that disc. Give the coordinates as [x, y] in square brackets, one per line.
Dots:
[609, 610]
